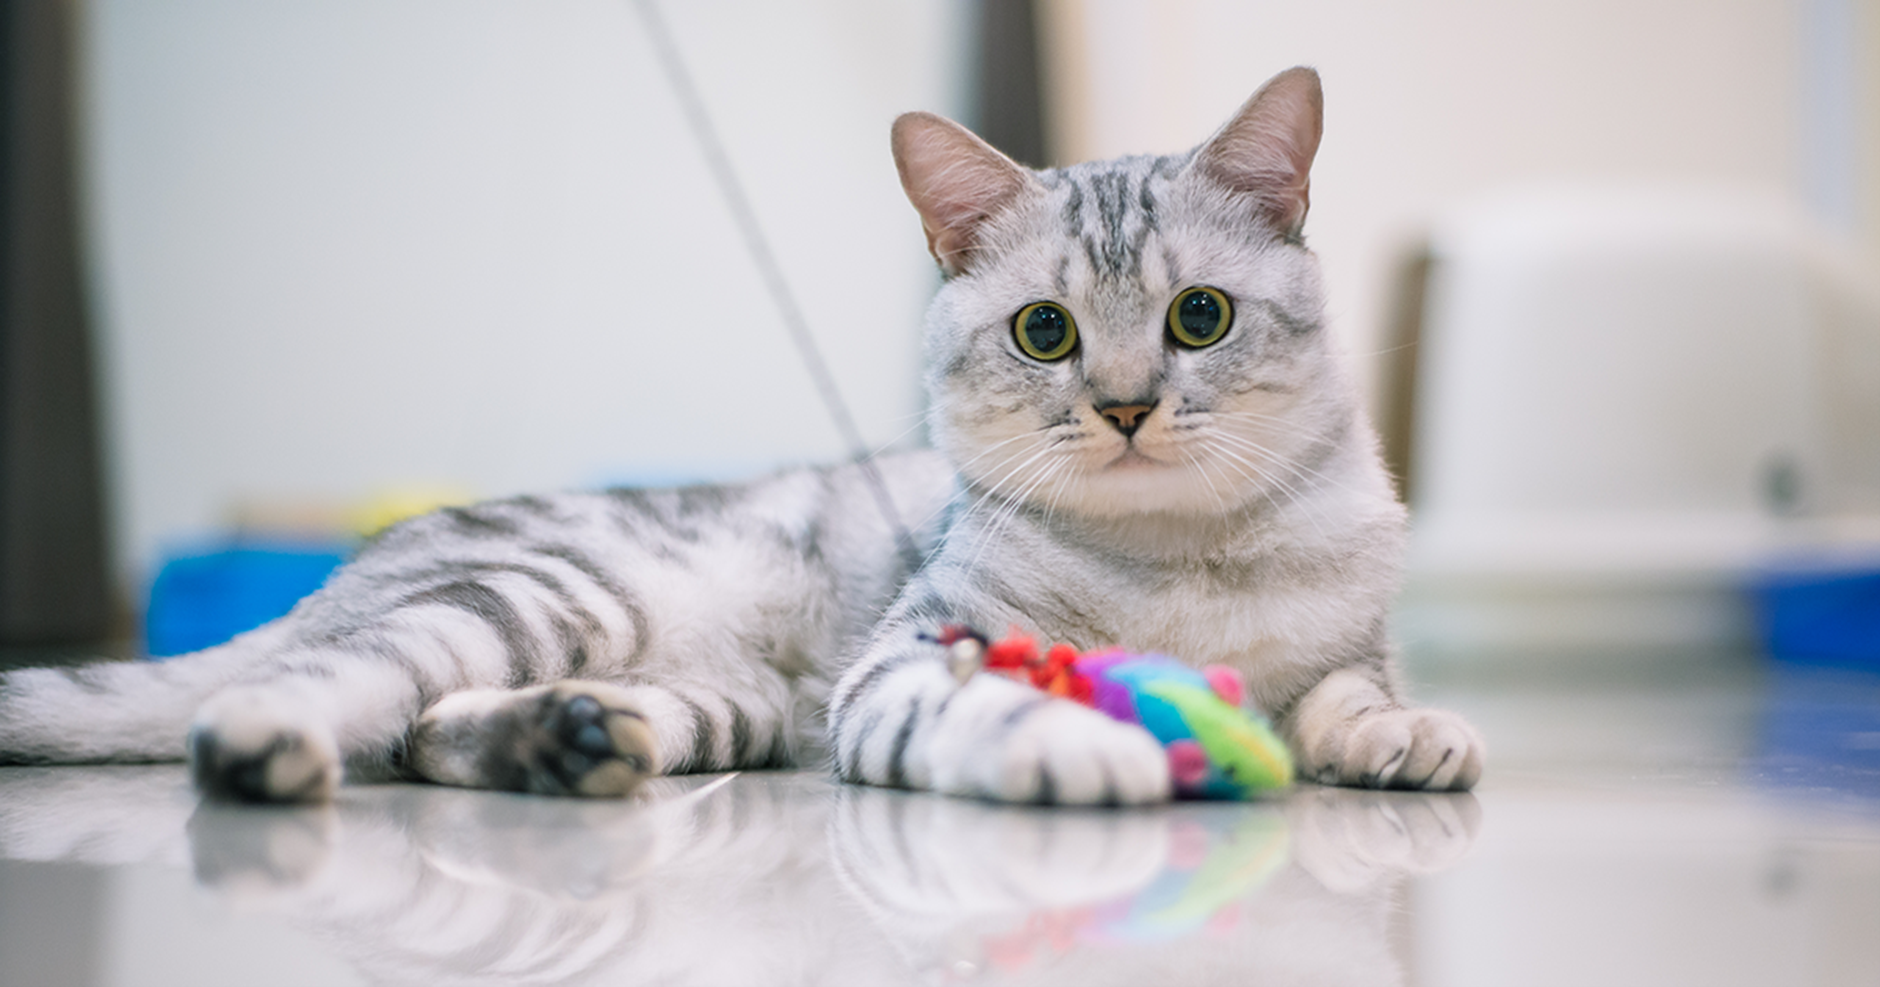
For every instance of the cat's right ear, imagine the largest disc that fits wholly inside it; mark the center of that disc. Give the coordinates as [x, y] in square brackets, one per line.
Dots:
[956, 182]
[1265, 152]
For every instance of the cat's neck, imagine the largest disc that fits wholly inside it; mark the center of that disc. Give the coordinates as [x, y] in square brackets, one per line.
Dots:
[1174, 538]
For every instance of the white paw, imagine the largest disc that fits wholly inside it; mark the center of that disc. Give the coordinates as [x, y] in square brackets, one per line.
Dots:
[255, 745]
[1425, 749]
[1053, 752]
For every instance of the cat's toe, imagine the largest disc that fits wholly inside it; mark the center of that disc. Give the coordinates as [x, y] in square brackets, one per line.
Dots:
[1422, 749]
[1446, 753]
[588, 741]
[248, 745]
[1064, 754]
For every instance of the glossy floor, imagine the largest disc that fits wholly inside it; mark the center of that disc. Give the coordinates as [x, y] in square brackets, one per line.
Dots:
[1717, 826]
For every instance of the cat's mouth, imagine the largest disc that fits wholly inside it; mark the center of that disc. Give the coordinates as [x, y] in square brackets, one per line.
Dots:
[1132, 459]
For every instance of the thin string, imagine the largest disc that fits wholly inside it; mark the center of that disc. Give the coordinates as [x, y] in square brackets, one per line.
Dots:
[772, 273]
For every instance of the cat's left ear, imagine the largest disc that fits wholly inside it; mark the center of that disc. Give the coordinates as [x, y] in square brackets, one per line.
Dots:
[1266, 150]
[955, 181]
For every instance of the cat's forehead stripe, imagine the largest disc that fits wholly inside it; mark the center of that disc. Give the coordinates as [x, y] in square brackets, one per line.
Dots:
[1125, 195]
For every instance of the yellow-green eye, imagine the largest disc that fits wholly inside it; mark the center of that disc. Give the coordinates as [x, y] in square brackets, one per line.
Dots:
[1200, 317]
[1045, 331]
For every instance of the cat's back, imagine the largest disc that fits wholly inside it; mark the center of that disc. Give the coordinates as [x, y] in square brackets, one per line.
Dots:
[811, 555]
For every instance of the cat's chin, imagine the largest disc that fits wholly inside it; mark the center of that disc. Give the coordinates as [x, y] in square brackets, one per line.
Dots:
[1135, 484]
[1132, 459]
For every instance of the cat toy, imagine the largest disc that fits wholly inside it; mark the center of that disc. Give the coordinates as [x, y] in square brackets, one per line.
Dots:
[1216, 750]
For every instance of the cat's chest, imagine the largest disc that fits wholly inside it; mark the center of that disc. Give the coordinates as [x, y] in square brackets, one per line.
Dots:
[1202, 612]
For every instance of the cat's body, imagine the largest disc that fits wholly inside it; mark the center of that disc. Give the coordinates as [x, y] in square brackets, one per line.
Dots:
[1147, 441]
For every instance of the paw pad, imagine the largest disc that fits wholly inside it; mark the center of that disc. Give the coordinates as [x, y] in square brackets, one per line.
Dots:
[584, 747]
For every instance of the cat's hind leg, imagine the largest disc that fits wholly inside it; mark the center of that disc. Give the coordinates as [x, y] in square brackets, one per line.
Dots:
[598, 738]
[289, 737]
[566, 738]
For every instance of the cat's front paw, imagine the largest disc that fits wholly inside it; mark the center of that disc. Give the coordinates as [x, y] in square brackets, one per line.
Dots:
[1051, 752]
[1423, 749]
[253, 745]
[570, 738]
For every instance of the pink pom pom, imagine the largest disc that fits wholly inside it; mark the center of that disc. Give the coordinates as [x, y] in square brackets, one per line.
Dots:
[1187, 764]
[1227, 684]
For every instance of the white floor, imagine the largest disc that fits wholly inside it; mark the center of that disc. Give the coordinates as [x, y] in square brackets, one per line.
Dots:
[1711, 825]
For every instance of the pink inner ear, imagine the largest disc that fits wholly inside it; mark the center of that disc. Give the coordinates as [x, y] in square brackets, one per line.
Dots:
[1226, 683]
[1266, 150]
[955, 180]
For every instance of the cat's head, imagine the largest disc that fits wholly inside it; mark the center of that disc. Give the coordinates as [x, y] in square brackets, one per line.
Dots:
[1138, 335]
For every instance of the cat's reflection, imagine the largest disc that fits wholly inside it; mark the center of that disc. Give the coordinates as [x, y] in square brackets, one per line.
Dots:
[1303, 888]
[778, 878]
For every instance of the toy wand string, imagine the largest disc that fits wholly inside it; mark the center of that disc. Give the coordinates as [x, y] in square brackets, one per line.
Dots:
[719, 163]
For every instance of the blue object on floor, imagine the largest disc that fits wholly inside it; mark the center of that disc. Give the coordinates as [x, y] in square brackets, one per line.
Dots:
[1821, 616]
[202, 600]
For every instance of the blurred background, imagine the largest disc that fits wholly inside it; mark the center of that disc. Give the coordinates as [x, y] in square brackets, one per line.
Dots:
[277, 271]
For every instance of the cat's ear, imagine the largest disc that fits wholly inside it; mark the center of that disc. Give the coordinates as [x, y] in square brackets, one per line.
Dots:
[1266, 150]
[956, 182]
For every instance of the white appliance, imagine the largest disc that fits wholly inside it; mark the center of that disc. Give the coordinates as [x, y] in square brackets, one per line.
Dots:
[1627, 402]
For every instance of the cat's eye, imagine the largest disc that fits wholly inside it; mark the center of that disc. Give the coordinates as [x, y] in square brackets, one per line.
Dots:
[1200, 317]
[1045, 331]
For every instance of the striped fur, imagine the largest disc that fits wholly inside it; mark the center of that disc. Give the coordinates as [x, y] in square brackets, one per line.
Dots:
[575, 643]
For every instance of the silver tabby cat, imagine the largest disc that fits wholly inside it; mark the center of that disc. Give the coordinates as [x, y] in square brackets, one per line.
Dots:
[1144, 437]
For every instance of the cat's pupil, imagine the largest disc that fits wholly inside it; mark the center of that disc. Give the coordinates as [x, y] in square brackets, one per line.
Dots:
[1200, 314]
[1045, 329]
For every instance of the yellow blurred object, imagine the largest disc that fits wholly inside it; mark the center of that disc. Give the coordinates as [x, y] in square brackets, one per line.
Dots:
[397, 504]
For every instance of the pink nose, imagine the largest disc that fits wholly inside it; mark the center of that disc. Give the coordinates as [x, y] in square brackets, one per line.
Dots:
[1126, 417]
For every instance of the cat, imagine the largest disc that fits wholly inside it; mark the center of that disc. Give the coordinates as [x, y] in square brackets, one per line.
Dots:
[1145, 437]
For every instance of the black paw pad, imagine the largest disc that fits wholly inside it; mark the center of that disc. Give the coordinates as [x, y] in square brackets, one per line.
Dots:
[577, 742]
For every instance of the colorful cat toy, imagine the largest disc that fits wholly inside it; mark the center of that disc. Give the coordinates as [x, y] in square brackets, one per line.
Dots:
[1215, 749]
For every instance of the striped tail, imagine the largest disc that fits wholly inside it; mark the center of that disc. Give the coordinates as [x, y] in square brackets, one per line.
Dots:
[116, 711]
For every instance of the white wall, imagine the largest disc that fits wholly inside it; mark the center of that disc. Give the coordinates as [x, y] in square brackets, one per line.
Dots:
[1428, 102]
[346, 245]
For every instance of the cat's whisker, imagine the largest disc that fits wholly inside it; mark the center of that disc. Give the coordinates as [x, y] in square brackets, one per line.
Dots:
[995, 490]
[1280, 425]
[965, 492]
[1199, 465]
[1037, 437]
[1293, 494]
[996, 526]
[993, 494]
[996, 446]
[1259, 482]
[921, 420]
[1250, 443]
[1058, 492]
[1298, 469]
[1055, 493]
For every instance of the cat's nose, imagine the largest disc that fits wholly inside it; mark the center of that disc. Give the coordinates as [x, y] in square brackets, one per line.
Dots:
[1126, 417]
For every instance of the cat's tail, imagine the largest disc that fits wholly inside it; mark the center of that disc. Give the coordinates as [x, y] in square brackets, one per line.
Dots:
[117, 710]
